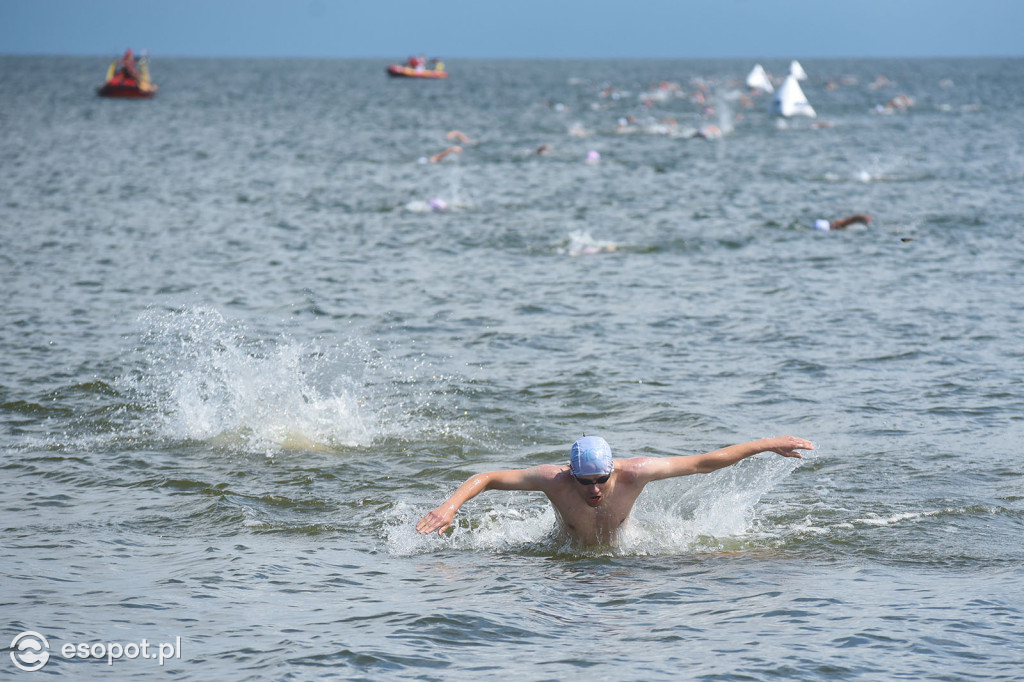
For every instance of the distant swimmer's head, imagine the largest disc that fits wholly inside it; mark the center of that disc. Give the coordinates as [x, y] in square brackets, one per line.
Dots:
[821, 224]
[593, 156]
[438, 204]
[590, 456]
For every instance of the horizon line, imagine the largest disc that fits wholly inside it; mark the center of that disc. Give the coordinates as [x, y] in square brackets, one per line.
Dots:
[392, 58]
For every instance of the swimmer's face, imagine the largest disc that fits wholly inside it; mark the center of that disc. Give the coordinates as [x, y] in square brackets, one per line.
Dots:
[593, 488]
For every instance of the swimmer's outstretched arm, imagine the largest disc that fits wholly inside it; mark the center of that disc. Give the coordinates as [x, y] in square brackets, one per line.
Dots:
[534, 478]
[841, 223]
[440, 155]
[657, 468]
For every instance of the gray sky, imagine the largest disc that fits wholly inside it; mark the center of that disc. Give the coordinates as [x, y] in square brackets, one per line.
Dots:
[393, 29]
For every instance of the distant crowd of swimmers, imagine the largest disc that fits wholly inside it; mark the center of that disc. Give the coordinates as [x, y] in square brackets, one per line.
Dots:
[669, 125]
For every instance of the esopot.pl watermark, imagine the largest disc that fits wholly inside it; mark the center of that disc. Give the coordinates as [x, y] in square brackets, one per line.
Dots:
[31, 651]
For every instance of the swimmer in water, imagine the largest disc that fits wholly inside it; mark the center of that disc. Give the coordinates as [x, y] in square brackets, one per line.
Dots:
[460, 136]
[594, 494]
[842, 223]
[709, 132]
[440, 156]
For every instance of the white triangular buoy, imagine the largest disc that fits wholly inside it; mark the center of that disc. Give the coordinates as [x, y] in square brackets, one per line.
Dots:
[797, 71]
[791, 101]
[757, 79]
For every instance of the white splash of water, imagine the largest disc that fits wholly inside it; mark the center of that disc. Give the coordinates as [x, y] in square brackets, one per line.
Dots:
[504, 527]
[704, 512]
[876, 169]
[205, 379]
[582, 243]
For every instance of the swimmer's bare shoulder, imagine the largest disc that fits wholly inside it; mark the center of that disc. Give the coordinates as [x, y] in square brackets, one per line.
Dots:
[634, 470]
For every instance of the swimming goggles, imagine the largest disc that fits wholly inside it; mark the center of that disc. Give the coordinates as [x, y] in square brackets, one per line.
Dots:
[592, 481]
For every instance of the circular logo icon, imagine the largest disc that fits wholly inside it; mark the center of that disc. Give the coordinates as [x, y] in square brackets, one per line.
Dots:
[30, 651]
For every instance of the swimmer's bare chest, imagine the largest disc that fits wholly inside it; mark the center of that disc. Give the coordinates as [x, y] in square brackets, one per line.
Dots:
[591, 525]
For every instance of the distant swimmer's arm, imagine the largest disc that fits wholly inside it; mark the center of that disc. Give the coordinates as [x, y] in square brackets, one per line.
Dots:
[657, 468]
[841, 223]
[440, 155]
[535, 478]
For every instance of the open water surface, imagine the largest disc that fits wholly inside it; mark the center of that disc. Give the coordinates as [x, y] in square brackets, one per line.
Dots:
[241, 357]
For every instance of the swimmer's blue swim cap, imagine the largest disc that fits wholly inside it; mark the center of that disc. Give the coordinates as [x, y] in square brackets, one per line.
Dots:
[590, 456]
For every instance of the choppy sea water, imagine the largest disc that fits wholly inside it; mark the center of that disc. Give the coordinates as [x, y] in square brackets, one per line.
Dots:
[242, 356]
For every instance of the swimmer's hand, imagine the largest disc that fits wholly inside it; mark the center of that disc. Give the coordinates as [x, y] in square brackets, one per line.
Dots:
[787, 446]
[439, 519]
